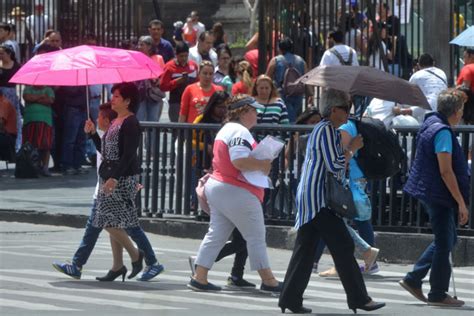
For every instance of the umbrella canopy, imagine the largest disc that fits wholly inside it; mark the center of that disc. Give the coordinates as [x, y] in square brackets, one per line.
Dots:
[466, 38]
[87, 65]
[366, 81]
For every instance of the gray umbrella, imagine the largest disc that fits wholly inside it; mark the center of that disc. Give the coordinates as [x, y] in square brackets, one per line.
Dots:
[366, 81]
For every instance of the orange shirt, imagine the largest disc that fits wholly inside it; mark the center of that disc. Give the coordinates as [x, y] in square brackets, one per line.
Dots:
[8, 116]
[194, 99]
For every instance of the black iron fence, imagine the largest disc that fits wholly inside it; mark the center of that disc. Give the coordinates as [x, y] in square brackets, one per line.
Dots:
[175, 155]
[111, 22]
[308, 22]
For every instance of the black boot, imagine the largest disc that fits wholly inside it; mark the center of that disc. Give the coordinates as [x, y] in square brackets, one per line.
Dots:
[137, 266]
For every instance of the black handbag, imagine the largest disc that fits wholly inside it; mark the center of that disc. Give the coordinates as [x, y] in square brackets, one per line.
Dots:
[339, 197]
[107, 168]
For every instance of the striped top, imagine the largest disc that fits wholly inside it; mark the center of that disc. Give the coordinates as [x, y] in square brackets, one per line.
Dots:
[324, 153]
[274, 113]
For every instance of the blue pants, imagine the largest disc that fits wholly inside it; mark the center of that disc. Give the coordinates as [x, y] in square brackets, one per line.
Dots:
[74, 138]
[436, 256]
[294, 106]
[92, 234]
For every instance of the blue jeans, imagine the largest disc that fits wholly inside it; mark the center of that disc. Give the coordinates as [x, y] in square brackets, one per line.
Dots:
[366, 231]
[436, 256]
[74, 137]
[294, 105]
[92, 234]
[150, 110]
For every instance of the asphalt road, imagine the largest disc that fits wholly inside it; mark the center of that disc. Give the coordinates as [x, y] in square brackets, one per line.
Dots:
[30, 286]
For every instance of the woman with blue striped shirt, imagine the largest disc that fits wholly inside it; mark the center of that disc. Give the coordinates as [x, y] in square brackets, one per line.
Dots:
[314, 221]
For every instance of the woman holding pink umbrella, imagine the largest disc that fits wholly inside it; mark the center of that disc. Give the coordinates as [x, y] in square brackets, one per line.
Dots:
[119, 179]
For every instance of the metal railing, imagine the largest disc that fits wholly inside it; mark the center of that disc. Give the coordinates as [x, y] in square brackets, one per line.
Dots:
[173, 160]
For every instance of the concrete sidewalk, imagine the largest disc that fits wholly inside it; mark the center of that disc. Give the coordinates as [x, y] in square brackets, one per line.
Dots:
[66, 200]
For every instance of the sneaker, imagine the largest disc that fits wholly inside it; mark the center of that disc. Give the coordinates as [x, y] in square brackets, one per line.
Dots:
[370, 258]
[199, 287]
[239, 282]
[417, 293]
[69, 269]
[192, 264]
[151, 271]
[271, 289]
[374, 269]
[448, 302]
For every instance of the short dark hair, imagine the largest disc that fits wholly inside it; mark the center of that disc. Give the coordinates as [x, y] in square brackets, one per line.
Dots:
[426, 60]
[181, 47]
[106, 111]
[202, 36]
[156, 22]
[5, 26]
[128, 90]
[286, 45]
[337, 36]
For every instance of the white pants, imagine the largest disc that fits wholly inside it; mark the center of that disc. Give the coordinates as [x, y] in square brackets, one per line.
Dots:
[231, 207]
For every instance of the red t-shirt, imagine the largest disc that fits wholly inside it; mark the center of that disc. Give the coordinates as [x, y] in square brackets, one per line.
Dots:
[194, 99]
[466, 74]
[252, 57]
[240, 88]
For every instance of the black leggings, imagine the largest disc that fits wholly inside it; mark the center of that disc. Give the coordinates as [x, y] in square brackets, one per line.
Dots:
[238, 246]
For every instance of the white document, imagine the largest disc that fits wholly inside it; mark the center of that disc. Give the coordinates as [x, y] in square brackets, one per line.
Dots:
[268, 148]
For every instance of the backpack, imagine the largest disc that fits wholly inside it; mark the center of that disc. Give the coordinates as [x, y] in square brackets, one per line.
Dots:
[341, 60]
[27, 162]
[289, 77]
[382, 156]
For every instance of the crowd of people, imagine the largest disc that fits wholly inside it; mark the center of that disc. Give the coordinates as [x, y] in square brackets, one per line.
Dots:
[207, 84]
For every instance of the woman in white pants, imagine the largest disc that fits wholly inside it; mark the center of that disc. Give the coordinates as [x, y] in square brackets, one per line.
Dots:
[233, 201]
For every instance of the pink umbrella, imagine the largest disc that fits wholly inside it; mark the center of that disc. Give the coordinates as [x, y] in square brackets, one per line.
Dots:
[87, 65]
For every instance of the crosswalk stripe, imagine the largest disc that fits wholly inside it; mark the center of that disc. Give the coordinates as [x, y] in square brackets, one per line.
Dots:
[90, 300]
[319, 293]
[138, 294]
[33, 306]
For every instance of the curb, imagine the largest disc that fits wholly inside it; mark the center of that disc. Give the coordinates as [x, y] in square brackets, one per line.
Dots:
[394, 247]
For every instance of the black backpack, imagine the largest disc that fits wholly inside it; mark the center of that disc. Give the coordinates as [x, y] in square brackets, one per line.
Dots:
[382, 156]
[27, 162]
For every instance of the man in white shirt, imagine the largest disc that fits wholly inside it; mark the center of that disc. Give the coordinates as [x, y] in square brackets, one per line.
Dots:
[430, 79]
[198, 26]
[38, 23]
[203, 50]
[338, 53]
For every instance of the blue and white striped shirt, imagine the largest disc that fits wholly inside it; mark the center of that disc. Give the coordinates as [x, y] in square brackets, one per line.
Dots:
[324, 153]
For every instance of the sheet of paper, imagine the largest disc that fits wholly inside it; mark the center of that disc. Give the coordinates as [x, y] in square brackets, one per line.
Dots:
[268, 148]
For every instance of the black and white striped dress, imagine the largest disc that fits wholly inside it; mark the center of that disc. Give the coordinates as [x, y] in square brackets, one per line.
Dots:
[117, 209]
